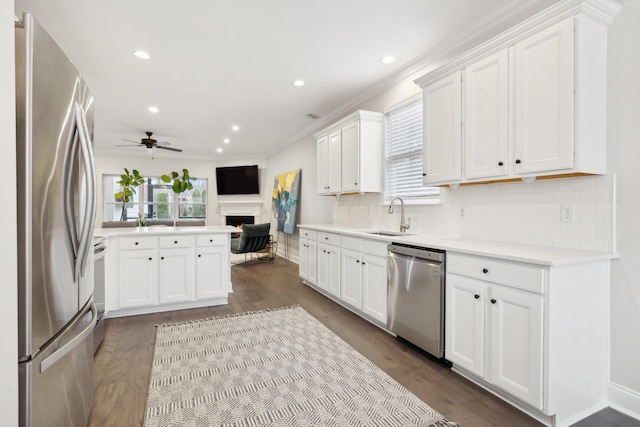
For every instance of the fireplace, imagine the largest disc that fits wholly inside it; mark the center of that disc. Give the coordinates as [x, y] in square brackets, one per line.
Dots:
[237, 213]
[238, 220]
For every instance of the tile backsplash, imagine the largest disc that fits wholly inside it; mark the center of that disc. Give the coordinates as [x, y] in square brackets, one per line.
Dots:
[518, 212]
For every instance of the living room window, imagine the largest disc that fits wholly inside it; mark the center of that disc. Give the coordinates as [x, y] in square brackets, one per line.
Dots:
[156, 200]
[403, 154]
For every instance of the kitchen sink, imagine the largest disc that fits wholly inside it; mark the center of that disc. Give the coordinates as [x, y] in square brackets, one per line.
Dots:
[387, 233]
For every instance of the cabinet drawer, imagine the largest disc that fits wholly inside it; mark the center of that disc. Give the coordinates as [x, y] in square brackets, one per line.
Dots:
[352, 243]
[131, 243]
[308, 234]
[373, 247]
[522, 276]
[331, 239]
[211, 239]
[176, 241]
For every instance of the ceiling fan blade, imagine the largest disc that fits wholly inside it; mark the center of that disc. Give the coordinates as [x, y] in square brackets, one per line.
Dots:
[129, 145]
[130, 140]
[179, 150]
[162, 143]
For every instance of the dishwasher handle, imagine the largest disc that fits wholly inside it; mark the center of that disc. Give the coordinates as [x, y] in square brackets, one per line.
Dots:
[424, 253]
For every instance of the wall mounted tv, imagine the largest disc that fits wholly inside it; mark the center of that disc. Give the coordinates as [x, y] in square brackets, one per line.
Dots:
[238, 180]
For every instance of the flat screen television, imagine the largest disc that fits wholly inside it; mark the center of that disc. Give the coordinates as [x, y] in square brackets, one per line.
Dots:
[237, 180]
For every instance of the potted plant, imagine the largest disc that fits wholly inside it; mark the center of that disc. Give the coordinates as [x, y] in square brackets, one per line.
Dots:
[180, 183]
[128, 182]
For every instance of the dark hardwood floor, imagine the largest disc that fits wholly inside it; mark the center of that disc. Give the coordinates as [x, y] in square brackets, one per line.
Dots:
[123, 362]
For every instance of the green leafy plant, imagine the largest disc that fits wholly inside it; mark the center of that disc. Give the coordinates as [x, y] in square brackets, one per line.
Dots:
[180, 184]
[128, 182]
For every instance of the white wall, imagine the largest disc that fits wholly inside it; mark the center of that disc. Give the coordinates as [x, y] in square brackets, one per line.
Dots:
[8, 255]
[312, 208]
[623, 156]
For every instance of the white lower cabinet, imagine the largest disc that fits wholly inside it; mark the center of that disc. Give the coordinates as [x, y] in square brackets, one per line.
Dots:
[176, 272]
[137, 278]
[499, 326]
[147, 274]
[351, 270]
[328, 269]
[351, 278]
[534, 334]
[210, 279]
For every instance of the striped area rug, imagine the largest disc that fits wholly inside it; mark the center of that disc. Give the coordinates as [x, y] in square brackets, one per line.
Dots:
[272, 368]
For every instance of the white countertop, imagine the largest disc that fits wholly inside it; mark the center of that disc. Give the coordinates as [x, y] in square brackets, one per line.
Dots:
[163, 230]
[540, 255]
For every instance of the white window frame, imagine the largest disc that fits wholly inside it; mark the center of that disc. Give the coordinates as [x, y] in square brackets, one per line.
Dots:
[140, 198]
[396, 154]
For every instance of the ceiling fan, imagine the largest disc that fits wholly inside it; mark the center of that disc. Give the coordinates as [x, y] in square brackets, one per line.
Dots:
[151, 144]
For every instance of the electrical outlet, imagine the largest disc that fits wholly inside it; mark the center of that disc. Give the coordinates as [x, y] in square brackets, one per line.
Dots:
[568, 213]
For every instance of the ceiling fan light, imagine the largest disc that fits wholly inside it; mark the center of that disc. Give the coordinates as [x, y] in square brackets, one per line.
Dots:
[219, 150]
[153, 109]
[226, 140]
[388, 60]
[235, 128]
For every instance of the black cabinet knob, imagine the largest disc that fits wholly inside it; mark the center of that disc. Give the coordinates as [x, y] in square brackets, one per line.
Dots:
[199, 255]
[493, 301]
[424, 174]
[485, 271]
[161, 257]
[500, 163]
[363, 263]
[358, 261]
[518, 161]
[175, 241]
[210, 240]
[355, 183]
[476, 296]
[136, 243]
[326, 238]
[150, 258]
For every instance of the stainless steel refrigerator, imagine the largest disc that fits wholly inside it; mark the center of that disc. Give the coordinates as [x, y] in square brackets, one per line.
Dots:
[56, 209]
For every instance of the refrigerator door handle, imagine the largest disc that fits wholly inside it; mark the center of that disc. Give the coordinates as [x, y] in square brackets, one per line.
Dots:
[89, 213]
[65, 349]
[69, 221]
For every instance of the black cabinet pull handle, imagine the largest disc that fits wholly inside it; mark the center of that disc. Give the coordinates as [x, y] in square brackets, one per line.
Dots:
[485, 271]
[476, 296]
[424, 174]
[518, 161]
[493, 301]
[363, 263]
[500, 163]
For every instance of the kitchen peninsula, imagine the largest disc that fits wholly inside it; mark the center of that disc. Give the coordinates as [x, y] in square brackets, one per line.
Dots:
[159, 268]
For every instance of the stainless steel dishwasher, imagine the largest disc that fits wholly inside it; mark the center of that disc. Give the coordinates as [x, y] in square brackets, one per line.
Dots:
[415, 300]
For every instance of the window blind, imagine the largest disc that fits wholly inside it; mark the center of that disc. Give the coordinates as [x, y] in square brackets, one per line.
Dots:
[403, 153]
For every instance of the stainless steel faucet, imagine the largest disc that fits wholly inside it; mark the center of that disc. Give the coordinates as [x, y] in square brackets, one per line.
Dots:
[404, 226]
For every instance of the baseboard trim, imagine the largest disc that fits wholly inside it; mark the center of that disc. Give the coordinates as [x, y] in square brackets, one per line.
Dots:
[624, 399]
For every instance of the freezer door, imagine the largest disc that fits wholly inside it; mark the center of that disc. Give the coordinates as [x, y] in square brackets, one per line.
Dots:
[56, 386]
[55, 188]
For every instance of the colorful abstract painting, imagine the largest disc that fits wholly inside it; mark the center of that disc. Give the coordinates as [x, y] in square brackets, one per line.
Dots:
[286, 189]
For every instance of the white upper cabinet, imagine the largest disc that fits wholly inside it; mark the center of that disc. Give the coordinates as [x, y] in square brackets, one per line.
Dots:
[543, 100]
[441, 111]
[533, 101]
[350, 155]
[486, 112]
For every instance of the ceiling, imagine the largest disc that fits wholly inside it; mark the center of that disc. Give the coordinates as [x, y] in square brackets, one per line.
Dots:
[219, 63]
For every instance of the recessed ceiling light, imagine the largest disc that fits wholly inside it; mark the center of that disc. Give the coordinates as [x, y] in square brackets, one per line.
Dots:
[298, 83]
[219, 150]
[226, 140]
[388, 60]
[153, 109]
[235, 128]
[142, 54]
